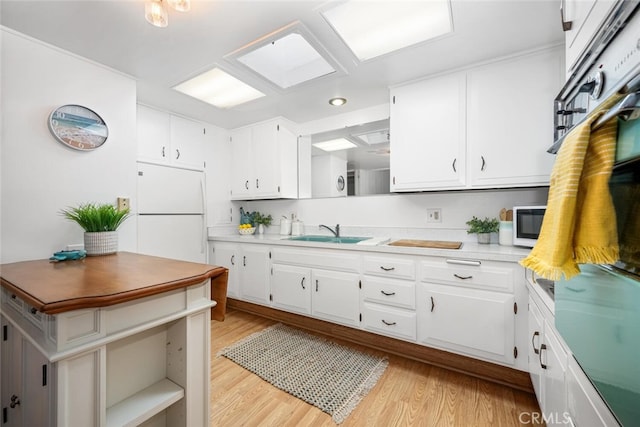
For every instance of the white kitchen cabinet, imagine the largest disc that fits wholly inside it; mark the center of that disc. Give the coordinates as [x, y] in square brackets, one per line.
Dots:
[27, 387]
[586, 17]
[291, 288]
[228, 255]
[547, 366]
[428, 134]
[254, 273]
[474, 322]
[167, 139]
[510, 120]
[335, 296]
[265, 162]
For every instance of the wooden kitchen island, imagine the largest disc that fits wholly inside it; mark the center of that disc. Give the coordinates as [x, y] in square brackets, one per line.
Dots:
[115, 340]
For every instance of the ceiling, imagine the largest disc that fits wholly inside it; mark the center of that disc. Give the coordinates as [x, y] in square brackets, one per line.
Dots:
[115, 33]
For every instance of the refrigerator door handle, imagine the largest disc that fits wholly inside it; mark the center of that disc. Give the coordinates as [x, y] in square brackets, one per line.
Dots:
[204, 217]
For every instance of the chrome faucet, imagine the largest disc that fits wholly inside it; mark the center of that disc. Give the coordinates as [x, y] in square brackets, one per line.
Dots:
[335, 232]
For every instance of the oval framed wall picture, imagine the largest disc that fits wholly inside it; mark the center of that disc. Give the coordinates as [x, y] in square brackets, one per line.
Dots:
[78, 127]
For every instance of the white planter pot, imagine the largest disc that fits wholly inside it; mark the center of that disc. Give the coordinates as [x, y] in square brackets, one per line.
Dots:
[484, 238]
[101, 243]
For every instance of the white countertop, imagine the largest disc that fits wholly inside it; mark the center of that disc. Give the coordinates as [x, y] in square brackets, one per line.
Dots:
[469, 250]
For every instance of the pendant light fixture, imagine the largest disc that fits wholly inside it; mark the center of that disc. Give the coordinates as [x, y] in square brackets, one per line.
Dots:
[155, 11]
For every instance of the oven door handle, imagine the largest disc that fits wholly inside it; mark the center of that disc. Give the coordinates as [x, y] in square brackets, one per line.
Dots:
[627, 109]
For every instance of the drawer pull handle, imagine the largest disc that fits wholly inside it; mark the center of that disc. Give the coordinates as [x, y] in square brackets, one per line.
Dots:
[302, 283]
[542, 347]
[388, 323]
[13, 296]
[244, 260]
[433, 304]
[387, 293]
[463, 262]
[233, 260]
[316, 285]
[15, 401]
[463, 277]
[387, 268]
[33, 310]
[533, 342]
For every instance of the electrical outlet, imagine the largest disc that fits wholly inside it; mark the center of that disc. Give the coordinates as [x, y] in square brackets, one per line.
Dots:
[434, 215]
[123, 203]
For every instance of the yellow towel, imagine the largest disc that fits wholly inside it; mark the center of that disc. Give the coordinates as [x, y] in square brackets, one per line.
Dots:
[579, 226]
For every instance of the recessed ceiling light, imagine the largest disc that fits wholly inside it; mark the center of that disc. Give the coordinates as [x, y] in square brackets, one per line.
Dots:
[371, 29]
[286, 57]
[219, 89]
[334, 144]
[337, 101]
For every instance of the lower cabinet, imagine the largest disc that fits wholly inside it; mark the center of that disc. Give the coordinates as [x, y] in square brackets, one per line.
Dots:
[27, 385]
[248, 266]
[335, 296]
[547, 367]
[291, 288]
[227, 255]
[469, 321]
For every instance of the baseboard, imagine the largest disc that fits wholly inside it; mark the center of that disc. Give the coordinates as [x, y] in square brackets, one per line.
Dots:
[477, 368]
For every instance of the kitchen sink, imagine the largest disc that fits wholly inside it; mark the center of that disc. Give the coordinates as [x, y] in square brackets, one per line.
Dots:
[329, 239]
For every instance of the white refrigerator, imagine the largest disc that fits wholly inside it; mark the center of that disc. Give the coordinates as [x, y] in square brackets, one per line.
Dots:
[171, 213]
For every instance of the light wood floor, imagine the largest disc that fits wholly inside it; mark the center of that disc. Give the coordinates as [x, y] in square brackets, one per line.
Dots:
[409, 393]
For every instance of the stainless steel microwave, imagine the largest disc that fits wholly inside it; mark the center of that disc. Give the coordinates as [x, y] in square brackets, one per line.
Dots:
[527, 221]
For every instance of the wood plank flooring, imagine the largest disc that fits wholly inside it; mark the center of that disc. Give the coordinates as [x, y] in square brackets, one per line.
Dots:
[409, 393]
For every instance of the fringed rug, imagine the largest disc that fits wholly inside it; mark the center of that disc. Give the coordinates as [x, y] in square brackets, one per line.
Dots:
[329, 376]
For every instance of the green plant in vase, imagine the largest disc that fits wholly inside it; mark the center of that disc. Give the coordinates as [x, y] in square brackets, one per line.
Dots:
[483, 228]
[261, 221]
[100, 223]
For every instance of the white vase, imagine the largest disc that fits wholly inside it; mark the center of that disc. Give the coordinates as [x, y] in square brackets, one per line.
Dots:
[101, 243]
[484, 238]
[260, 228]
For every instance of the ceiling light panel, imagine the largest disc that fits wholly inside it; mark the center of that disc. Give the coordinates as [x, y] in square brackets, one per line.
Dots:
[218, 88]
[372, 29]
[335, 144]
[287, 57]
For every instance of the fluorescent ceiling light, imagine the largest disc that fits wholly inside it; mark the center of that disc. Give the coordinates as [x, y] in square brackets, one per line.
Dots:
[287, 61]
[219, 89]
[334, 145]
[373, 138]
[371, 29]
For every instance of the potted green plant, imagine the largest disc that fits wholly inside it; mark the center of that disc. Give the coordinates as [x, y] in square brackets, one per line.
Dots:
[261, 221]
[483, 228]
[100, 223]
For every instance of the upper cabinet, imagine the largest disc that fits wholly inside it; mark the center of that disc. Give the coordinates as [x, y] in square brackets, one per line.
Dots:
[510, 120]
[487, 127]
[170, 140]
[264, 162]
[428, 134]
[584, 18]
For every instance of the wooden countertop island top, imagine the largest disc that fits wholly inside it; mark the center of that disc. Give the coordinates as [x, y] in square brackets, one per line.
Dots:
[101, 280]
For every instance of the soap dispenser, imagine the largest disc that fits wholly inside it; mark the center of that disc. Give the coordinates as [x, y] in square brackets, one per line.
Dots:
[297, 227]
[285, 226]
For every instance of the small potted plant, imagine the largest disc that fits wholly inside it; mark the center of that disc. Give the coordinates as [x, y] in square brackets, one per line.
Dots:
[100, 223]
[261, 221]
[483, 228]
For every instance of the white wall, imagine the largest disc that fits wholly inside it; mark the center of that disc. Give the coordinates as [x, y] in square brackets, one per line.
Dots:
[39, 176]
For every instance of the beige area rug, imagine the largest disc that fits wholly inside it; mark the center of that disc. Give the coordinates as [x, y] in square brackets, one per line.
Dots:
[329, 376]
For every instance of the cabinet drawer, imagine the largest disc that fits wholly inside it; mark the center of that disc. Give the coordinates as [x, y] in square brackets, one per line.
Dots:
[390, 292]
[13, 300]
[34, 316]
[390, 267]
[471, 273]
[389, 321]
[327, 259]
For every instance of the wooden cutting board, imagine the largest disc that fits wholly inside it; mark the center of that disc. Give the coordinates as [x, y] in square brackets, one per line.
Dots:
[437, 244]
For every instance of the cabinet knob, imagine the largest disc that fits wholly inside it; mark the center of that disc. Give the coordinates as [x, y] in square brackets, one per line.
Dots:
[33, 310]
[15, 401]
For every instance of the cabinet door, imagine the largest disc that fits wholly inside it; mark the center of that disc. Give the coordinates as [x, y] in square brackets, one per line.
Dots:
[154, 132]
[468, 321]
[536, 331]
[553, 361]
[510, 120]
[291, 288]
[335, 297]
[187, 143]
[254, 273]
[265, 152]
[241, 159]
[428, 134]
[226, 255]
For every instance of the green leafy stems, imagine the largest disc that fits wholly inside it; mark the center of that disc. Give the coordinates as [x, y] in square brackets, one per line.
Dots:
[94, 217]
[487, 225]
[259, 218]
